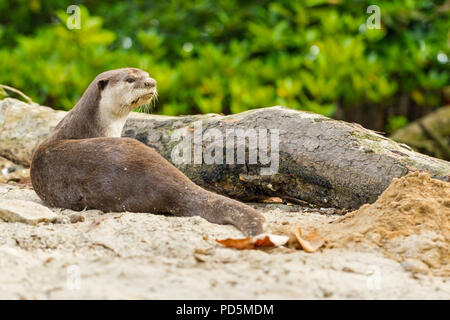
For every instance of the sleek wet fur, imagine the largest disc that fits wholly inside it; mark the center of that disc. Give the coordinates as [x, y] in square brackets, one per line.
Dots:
[84, 164]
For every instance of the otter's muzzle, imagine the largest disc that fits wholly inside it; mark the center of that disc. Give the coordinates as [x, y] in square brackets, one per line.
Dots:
[150, 83]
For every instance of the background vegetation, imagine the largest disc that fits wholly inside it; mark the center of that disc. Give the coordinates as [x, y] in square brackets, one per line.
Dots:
[229, 56]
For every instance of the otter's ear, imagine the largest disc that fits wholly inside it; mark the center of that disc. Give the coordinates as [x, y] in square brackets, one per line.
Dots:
[102, 84]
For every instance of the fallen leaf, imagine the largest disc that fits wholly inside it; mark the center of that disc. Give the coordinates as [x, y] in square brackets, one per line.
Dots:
[276, 240]
[260, 241]
[272, 200]
[311, 242]
[245, 243]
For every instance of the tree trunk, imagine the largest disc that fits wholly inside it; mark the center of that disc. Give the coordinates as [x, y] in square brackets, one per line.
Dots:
[321, 161]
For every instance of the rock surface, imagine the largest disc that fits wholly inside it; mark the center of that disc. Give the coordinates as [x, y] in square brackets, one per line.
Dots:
[28, 212]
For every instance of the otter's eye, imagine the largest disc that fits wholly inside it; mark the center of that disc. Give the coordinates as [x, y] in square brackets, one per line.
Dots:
[130, 80]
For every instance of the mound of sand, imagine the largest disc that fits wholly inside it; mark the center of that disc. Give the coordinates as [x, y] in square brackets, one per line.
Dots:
[409, 221]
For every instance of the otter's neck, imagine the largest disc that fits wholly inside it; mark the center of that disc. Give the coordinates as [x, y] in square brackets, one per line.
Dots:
[90, 118]
[111, 115]
[110, 125]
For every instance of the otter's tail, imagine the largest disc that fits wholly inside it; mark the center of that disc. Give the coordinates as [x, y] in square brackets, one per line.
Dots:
[222, 210]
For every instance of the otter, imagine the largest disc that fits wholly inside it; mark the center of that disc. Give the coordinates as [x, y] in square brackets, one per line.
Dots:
[85, 164]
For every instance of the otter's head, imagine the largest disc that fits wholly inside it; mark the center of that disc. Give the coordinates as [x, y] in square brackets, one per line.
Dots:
[115, 93]
[106, 103]
[123, 90]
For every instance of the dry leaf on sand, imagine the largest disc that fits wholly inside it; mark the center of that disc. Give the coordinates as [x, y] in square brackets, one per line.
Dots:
[259, 241]
[310, 242]
[272, 200]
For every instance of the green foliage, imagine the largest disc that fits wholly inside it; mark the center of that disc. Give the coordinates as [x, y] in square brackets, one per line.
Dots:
[396, 122]
[230, 56]
[3, 93]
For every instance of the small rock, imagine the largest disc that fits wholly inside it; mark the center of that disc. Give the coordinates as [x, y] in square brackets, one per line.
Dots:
[29, 212]
[12, 169]
[76, 217]
[327, 210]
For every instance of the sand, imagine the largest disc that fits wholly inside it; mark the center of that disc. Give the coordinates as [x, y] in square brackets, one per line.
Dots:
[409, 222]
[147, 256]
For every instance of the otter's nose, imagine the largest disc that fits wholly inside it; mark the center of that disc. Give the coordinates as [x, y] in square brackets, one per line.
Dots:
[151, 83]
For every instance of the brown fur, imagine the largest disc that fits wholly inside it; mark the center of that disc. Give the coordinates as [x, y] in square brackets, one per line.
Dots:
[76, 167]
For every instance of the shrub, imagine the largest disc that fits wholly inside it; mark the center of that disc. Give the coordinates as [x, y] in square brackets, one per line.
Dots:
[230, 56]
